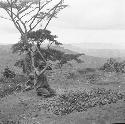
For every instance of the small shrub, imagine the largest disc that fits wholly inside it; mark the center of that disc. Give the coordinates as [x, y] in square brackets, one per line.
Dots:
[7, 73]
[113, 66]
[11, 85]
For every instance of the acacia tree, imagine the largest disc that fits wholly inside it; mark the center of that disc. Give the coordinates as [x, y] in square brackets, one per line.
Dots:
[51, 54]
[35, 37]
[26, 15]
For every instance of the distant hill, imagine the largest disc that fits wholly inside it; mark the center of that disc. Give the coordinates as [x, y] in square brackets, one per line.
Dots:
[89, 61]
[98, 50]
[92, 62]
[64, 49]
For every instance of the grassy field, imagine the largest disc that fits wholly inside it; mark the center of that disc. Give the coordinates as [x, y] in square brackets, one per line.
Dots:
[28, 108]
[85, 95]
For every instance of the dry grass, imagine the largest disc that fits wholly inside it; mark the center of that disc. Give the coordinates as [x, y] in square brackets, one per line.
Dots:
[28, 108]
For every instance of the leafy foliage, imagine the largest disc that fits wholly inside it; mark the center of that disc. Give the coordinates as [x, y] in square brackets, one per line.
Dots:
[62, 57]
[69, 57]
[21, 47]
[113, 66]
[81, 101]
[25, 63]
[36, 37]
[41, 35]
[7, 73]
[48, 53]
[11, 85]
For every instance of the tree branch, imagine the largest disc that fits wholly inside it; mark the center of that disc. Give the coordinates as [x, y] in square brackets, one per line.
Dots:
[54, 8]
[50, 44]
[16, 16]
[28, 12]
[40, 54]
[19, 29]
[42, 71]
[34, 17]
[27, 7]
[46, 27]
[10, 13]
[50, 19]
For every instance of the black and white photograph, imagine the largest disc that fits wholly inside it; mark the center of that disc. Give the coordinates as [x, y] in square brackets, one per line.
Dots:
[62, 61]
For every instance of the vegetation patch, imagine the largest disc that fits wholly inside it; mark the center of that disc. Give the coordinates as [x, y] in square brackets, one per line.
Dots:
[81, 101]
[10, 85]
[112, 65]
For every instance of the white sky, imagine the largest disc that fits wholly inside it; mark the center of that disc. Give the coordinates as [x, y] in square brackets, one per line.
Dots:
[100, 21]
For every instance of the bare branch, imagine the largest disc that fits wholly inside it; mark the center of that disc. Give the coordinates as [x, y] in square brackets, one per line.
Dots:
[8, 2]
[26, 8]
[40, 54]
[42, 71]
[28, 12]
[34, 17]
[16, 16]
[19, 29]
[50, 44]
[52, 9]
[18, 24]
[10, 13]
[11, 9]
[50, 19]
[52, 15]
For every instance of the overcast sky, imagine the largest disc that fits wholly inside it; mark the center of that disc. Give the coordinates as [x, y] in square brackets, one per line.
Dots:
[100, 21]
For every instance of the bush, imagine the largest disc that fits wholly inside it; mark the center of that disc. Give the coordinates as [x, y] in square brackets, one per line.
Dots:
[7, 90]
[10, 85]
[113, 66]
[7, 73]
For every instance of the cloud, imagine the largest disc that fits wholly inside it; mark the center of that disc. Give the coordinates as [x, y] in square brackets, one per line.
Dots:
[7, 38]
[7, 27]
[89, 14]
[79, 22]
[93, 14]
